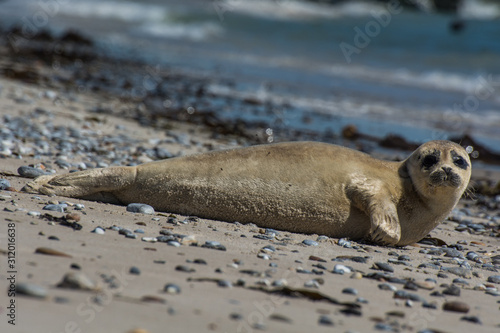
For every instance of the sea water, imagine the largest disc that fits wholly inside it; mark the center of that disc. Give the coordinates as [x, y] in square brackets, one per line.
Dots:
[380, 66]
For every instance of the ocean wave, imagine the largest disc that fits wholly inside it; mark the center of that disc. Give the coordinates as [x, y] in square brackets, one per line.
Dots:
[479, 10]
[298, 10]
[193, 31]
[120, 10]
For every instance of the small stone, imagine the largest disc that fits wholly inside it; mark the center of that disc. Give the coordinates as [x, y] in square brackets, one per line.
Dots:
[56, 208]
[387, 286]
[224, 284]
[30, 172]
[4, 184]
[494, 279]
[76, 280]
[149, 239]
[99, 231]
[172, 289]
[79, 207]
[139, 231]
[214, 245]
[341, 269]
[309, 242]
[452, 290]
[311, 284]
[184, 268]
[350, 291]
[133, 236]
[30, 289]
[72, 217]
[263, 256]
[235, 316]
[456, 306]
[344, 243]
[140, 208]
[492, 292]
[427, 285]
[472, 319]
[356, 276]
[173, 243]
[34, 213]
[383, 266]
[460, 271]
[280, 283]
[134, 270]
[53, 238]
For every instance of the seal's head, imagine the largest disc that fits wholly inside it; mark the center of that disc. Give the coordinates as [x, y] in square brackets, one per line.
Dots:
[439, 170]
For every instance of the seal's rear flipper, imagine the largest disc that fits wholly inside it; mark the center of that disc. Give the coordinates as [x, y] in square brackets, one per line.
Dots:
[96, 184]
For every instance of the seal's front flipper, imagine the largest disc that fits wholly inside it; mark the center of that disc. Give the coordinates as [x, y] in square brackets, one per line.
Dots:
[385, 227]
[83, 184]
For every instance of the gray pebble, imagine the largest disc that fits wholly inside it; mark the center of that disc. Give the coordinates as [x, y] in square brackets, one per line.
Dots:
[184, 268]
[133, 236]
[452, 290]
[322, 238]
[56, 208]
[494, 279]
[387, 286]
[224, 284]
[341, 269]
[139, 231]
[30, 289]
[99, 231]
[171, 288]
[140, 208]
[34, 213]
[214, 245]
[383, 266]
[350, 291]
[460, 271]
[4, 183]
[309, 242]
[325, 320]
[344, 243]
[134, 270]
[30, 172]
[173, 243]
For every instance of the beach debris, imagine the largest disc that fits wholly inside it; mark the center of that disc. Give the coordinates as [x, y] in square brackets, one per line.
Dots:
[51, 252]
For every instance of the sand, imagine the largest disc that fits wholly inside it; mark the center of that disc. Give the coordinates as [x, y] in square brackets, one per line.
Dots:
[202, 305]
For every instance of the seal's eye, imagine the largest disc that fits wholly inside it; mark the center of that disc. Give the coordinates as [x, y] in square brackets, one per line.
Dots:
[429, 161]
[460, 162]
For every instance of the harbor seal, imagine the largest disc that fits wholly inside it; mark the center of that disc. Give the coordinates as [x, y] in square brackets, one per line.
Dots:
[305, 187]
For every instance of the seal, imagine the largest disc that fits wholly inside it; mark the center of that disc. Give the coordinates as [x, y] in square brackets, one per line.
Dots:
[304, 187]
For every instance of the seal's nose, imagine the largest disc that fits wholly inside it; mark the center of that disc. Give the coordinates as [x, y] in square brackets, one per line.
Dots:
[447, 170]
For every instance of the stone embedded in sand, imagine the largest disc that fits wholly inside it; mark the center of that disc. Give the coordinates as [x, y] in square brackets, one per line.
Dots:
[460, 271]
[494, 279]
[30, 289]
[452, 290]
[56, 207]
[4, 184]
[171, 288]
[30, 172]
[140, 208]
[456, 306]
[78, 281]
[383, 266]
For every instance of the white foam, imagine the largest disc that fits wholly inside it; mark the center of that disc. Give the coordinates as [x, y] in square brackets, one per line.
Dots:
[296, 10]
[120, 10]
[193, 31]
[479, 10]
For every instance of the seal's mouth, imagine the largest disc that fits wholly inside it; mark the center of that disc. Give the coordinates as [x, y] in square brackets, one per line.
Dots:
[445, 178]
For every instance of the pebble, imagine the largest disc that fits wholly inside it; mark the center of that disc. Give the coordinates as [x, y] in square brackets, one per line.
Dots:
[76, 280]
[350, 291]
[214, 245]
[133, 236]
[99, 231]
[139, 231]
[427, 285]
[344, 243]
[456, 306]
[472, 319]
[140, 208]
[56, 207]
[357, 276]
[383, 266]
[325, 320]
[387, 286]
[79, 207]
[312, 284]
[30, 289]
[171, 288]
[280, 283]
[30, 172]
[452, 290]
[224, 284]
[173, 243]
[309, 242]
[34, 213]
[4, 184]
[341, 269]
[459, 271]
[494, 278]
[134, 270]
[184, 268]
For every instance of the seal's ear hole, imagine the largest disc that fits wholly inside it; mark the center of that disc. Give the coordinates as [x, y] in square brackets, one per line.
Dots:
[403, 171]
